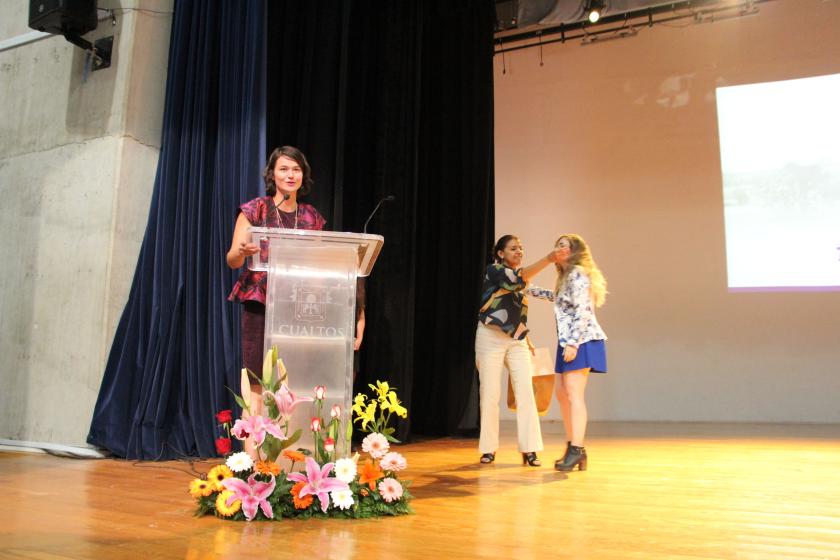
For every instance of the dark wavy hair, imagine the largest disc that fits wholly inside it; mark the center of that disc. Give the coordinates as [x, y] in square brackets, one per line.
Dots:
[294, 154]
[500, 246]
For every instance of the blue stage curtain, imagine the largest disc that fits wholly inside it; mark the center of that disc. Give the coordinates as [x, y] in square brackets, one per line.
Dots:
[177, 344]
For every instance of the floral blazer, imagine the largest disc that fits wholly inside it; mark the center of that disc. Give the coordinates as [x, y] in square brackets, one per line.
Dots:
[574, 311]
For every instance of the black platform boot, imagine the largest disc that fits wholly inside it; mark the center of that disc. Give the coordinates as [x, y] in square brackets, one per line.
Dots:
[575, 457]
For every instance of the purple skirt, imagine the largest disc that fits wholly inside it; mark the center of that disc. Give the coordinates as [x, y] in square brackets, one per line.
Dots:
[253, 332]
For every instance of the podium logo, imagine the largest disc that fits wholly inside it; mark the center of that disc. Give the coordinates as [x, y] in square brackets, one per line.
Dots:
[310, 303]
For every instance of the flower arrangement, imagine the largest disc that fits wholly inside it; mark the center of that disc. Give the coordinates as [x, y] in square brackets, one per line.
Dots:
[253, 485]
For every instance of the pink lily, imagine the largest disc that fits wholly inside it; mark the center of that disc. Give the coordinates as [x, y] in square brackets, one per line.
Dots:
[318, 482]
[252, 494]
[256, 427]
[286, 401]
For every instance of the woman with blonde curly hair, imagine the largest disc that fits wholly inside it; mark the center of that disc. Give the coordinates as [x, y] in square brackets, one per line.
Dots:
[580, 288]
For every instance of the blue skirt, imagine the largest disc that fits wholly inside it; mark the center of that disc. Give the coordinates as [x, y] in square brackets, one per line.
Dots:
[592, 355]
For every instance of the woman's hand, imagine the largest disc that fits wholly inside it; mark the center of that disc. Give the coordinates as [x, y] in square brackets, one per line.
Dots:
[248, 249]
[360, 331]
[555, 256]
[240, 246]
[569, 353]
[531, 346]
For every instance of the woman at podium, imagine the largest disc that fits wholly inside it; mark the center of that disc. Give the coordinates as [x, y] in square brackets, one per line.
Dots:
[287, 177]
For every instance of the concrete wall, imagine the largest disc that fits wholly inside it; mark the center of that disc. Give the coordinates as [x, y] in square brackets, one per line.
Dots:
[618, 141]
[78, 154]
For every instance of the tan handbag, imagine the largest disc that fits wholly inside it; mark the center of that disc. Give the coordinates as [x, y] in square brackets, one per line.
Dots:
[542, 379]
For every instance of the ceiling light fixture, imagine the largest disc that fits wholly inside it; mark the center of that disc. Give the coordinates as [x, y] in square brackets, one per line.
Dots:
[594, 10]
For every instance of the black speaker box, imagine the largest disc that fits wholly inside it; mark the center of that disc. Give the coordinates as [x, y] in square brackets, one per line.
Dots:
[60, 17]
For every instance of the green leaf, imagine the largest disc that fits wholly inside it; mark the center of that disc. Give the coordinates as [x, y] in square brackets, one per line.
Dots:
[348, 434]
[292, 440]
[239, 400]
[271, 447]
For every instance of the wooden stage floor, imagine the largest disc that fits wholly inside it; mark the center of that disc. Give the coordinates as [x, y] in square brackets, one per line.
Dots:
[690, 491]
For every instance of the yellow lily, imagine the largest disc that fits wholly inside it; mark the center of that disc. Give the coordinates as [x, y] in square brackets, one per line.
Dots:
[394, 405]
[359, 404]
[369, 414]
[381, 388]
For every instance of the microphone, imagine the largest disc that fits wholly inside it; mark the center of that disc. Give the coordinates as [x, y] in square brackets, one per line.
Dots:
[388, 198]
[279, 215]
[278, 205]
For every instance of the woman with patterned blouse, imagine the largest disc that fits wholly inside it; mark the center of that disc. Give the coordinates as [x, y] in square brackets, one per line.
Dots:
[501, 339]
[580, 288]
[287, 177]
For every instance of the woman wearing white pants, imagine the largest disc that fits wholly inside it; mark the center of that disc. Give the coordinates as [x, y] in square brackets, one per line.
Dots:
[501, 339]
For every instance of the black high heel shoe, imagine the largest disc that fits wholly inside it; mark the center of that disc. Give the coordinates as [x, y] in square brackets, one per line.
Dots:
[487, 458]
[575, 457]
[531, 459]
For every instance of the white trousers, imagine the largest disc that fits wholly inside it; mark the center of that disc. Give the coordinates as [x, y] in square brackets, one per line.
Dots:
[493, 350]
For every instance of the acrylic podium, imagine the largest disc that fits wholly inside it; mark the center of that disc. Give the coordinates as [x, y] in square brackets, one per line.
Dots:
[310, 313]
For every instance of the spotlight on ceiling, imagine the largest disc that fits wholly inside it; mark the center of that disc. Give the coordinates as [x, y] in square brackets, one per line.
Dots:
[594, 10]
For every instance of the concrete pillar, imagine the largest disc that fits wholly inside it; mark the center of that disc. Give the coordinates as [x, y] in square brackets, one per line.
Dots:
[78, 155]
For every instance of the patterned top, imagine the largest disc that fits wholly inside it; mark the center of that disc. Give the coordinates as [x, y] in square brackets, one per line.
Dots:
[261, 212]
[574, 311]
[503, 301]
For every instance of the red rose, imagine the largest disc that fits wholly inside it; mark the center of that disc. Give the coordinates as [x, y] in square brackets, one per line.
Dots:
[224, 416]
[223, 446]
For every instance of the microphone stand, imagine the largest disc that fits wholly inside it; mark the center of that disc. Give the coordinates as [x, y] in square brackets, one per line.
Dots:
[388, 198]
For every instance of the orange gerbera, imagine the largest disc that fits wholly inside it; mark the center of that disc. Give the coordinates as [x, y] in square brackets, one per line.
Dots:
[300, 503]
[370, 473]
[294, 456]
[268, 467]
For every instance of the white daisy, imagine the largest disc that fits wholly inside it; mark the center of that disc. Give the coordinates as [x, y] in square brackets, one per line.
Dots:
[342, 499]
[345, 470]
[239, 462]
